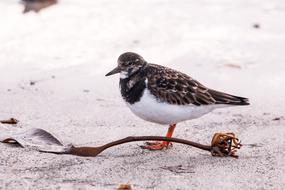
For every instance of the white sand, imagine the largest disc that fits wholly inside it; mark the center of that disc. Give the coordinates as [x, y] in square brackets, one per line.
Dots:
[79, 41]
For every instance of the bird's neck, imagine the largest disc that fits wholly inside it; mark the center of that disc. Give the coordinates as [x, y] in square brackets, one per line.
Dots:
[132, 87]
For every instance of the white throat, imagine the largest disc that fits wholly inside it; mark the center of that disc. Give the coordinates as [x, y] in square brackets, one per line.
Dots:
[124, 75]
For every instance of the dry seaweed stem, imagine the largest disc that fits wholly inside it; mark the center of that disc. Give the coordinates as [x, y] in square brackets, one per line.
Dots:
[223, 144]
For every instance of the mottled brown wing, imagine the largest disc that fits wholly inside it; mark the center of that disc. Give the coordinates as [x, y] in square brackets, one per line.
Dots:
[174, 87]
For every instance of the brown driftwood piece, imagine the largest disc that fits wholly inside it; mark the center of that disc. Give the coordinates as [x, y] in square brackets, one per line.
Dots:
[11, 121]
[36, 5]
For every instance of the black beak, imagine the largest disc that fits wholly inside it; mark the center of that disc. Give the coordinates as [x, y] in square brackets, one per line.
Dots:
[114, 71]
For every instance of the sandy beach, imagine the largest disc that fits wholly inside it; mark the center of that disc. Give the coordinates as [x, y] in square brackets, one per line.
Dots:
[52, 68]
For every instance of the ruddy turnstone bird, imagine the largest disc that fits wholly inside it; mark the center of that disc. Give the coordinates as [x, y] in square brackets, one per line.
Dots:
[165, 96]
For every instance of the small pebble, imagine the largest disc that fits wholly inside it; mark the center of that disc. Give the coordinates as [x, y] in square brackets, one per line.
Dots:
[276, 118]
[32, 83]
[125, 187]
[257, 26]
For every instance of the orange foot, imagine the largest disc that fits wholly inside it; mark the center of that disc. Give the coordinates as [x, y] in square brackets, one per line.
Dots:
[159, 145]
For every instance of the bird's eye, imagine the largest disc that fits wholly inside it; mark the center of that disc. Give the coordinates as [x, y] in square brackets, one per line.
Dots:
[128, 63]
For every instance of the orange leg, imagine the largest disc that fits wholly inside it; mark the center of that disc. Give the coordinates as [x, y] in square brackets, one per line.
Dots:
[163, 144]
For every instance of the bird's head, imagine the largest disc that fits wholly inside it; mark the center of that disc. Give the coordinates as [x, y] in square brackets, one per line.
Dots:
[128, 64]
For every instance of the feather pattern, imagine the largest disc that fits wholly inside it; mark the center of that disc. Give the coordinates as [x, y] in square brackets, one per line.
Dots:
[174, 87]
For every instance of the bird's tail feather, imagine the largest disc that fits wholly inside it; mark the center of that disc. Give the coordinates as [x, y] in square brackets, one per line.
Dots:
[223, 98]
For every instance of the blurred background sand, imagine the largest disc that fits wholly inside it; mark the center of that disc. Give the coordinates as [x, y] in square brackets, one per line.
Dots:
[52, 67]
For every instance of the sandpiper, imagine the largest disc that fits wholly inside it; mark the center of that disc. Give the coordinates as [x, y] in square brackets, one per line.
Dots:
[165, 96]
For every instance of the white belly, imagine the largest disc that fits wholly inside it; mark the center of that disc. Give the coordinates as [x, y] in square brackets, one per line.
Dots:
[149, 109]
